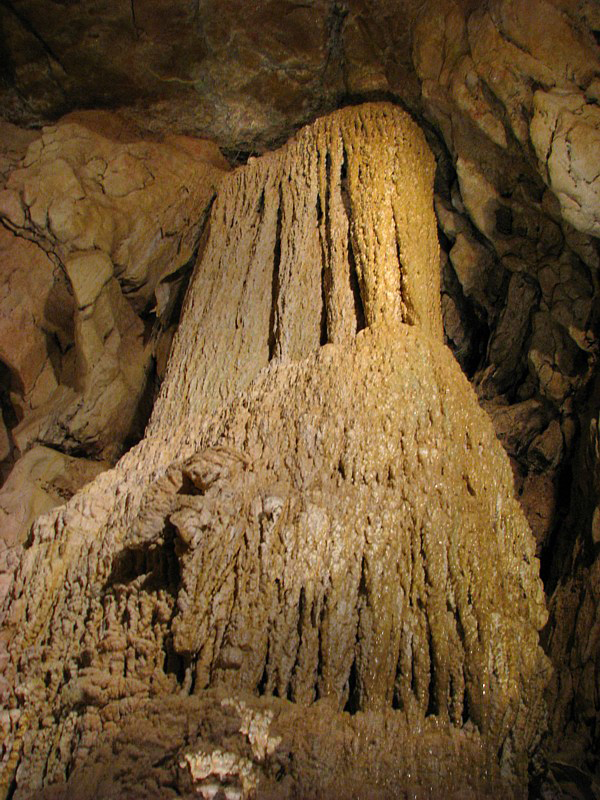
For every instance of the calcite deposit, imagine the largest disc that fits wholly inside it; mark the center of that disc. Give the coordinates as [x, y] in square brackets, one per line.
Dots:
[313, 571]
[100, 229]
[120, 217]
[507, 93]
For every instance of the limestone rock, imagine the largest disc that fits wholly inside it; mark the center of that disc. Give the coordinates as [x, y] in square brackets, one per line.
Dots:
[5, 443]
[232, 69]
[31, 289]
[478, 65]
[319, 511]
[88, 272]
[42, 479]
[232, 744]
[488, 79]
[89, 185]
[517, 425]
[535, 444]
[453, 325]
[349, 217]
[96, 220]
[507, 348]
[479, 195]
[514, 40]
[76, 357]
[14, 142]
[98, 411]
[547, 447]
[297, 486]
[538, 499]
[475, 268]
[244, 75]
[553, 359]
[565, 131]
[573, 629]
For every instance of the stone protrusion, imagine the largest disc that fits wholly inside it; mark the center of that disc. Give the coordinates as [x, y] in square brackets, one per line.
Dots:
[320, 511]
[308, 245]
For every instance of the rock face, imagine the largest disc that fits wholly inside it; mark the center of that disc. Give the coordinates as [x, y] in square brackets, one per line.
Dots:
[99, 228]
[572, 634]
[565, 132]
[507, 92]
[316, 540]
[120, 217]
[243, 74]
[513, 89]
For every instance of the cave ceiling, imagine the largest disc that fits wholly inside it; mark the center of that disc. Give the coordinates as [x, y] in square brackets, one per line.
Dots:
[245, 74]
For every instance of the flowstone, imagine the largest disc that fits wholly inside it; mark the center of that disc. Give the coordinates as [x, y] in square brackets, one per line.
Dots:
[311, 577]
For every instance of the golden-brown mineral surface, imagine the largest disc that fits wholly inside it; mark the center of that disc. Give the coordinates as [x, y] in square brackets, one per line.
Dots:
[311, 578]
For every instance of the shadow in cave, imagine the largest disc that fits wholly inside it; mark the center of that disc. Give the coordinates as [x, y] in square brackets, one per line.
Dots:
[151, 566]
[9, 418]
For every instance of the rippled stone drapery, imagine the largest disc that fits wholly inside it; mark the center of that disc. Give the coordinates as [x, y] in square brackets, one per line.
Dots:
[319, 514]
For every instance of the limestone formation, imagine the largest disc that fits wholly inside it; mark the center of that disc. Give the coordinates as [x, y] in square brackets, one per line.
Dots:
[573, 631]
[83, 319]
[512, 88]
[565, 132]
[312, 572]
[98, 229]
[507, 91]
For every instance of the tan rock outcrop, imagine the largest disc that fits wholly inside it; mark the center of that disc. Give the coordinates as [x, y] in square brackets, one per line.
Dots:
[512, 88]
[508, 92]
[386, 755]
[98, 227]
[572, 635]
[35, 319]
[565, 131]
[41, 480]
[319, 511]
[92, 184]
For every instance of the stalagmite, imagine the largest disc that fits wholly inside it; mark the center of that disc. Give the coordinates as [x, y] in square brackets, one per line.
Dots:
[311, 578]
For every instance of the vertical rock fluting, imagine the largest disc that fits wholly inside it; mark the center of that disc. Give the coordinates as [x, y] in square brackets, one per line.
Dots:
[310, 244]
[319, 514]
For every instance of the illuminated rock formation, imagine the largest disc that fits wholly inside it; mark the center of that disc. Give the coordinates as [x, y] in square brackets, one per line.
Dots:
[119, 217]
[99, 232]
[312, 572]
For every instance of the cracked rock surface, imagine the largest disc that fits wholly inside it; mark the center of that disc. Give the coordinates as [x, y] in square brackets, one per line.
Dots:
[565, 132]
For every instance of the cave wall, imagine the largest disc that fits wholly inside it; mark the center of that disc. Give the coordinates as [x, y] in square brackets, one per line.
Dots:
[507, 93]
